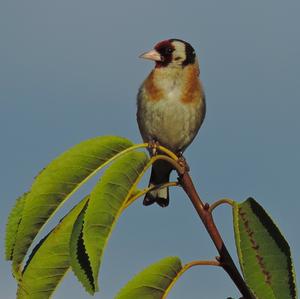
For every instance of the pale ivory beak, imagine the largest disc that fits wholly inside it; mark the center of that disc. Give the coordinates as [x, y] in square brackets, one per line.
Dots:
[151, 55]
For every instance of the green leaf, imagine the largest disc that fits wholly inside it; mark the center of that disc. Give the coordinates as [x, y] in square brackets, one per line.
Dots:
[107, 203]
[79, 260]
[154, 281]
[57, 182]
[50, 259]
[264, 254]
[12, 226]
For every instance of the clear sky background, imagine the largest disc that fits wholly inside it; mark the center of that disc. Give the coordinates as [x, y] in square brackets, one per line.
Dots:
[69, 71]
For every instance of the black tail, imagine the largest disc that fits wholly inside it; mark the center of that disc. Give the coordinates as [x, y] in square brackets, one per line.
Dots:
[160, 174]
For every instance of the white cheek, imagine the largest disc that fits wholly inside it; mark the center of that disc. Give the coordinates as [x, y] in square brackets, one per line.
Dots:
[179, 51]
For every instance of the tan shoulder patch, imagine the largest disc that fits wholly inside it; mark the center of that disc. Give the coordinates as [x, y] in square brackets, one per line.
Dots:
[153, 92]
[192, 91]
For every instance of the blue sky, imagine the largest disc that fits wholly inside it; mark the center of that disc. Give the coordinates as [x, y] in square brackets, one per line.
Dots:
[70, 71]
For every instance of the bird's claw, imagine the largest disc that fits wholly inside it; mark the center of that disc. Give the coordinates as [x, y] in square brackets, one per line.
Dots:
[180, 154]
[182, 162]
[152, 146]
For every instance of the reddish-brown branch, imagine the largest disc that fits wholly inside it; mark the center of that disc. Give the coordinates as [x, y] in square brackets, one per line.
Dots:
[207, 219]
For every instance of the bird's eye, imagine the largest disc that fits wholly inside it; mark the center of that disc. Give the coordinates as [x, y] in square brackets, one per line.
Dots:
[169, 50]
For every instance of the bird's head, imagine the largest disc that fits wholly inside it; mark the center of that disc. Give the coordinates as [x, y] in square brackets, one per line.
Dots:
[171, 53]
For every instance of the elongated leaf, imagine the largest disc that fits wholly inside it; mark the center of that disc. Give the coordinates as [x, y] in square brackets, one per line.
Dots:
[12, 226]
[57, 182]
[50, 260]
[79, 260]
[264, 254]
[153, 282]
[106, 204]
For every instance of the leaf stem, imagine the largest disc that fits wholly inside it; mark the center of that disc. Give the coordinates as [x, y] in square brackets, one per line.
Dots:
[220, 202]
[187, 267]
[173, 162]
[202, 263]
[159, 147]
[167, 152]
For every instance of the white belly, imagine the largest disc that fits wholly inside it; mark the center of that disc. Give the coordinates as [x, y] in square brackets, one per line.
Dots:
[169, 121]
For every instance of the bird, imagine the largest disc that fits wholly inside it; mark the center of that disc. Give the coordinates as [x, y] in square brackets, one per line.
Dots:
[170, 107]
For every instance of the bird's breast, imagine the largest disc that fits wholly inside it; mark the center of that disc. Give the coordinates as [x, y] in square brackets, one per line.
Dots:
[169, 120]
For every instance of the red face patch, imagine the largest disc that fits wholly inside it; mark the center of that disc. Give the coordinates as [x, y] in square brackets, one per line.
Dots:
[165, 49]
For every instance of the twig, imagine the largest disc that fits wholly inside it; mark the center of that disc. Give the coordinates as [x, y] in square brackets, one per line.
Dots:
[207, 219]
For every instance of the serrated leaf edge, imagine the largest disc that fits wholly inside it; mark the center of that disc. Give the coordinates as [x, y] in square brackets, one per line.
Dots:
[19, 204]
[235, 210]
[87, 281]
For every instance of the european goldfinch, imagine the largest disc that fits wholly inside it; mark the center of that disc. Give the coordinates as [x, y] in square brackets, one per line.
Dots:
[170, 107]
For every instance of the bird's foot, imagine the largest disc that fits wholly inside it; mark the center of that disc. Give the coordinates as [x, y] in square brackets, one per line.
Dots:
[152, 146]
[179, 154]
[182, 162]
